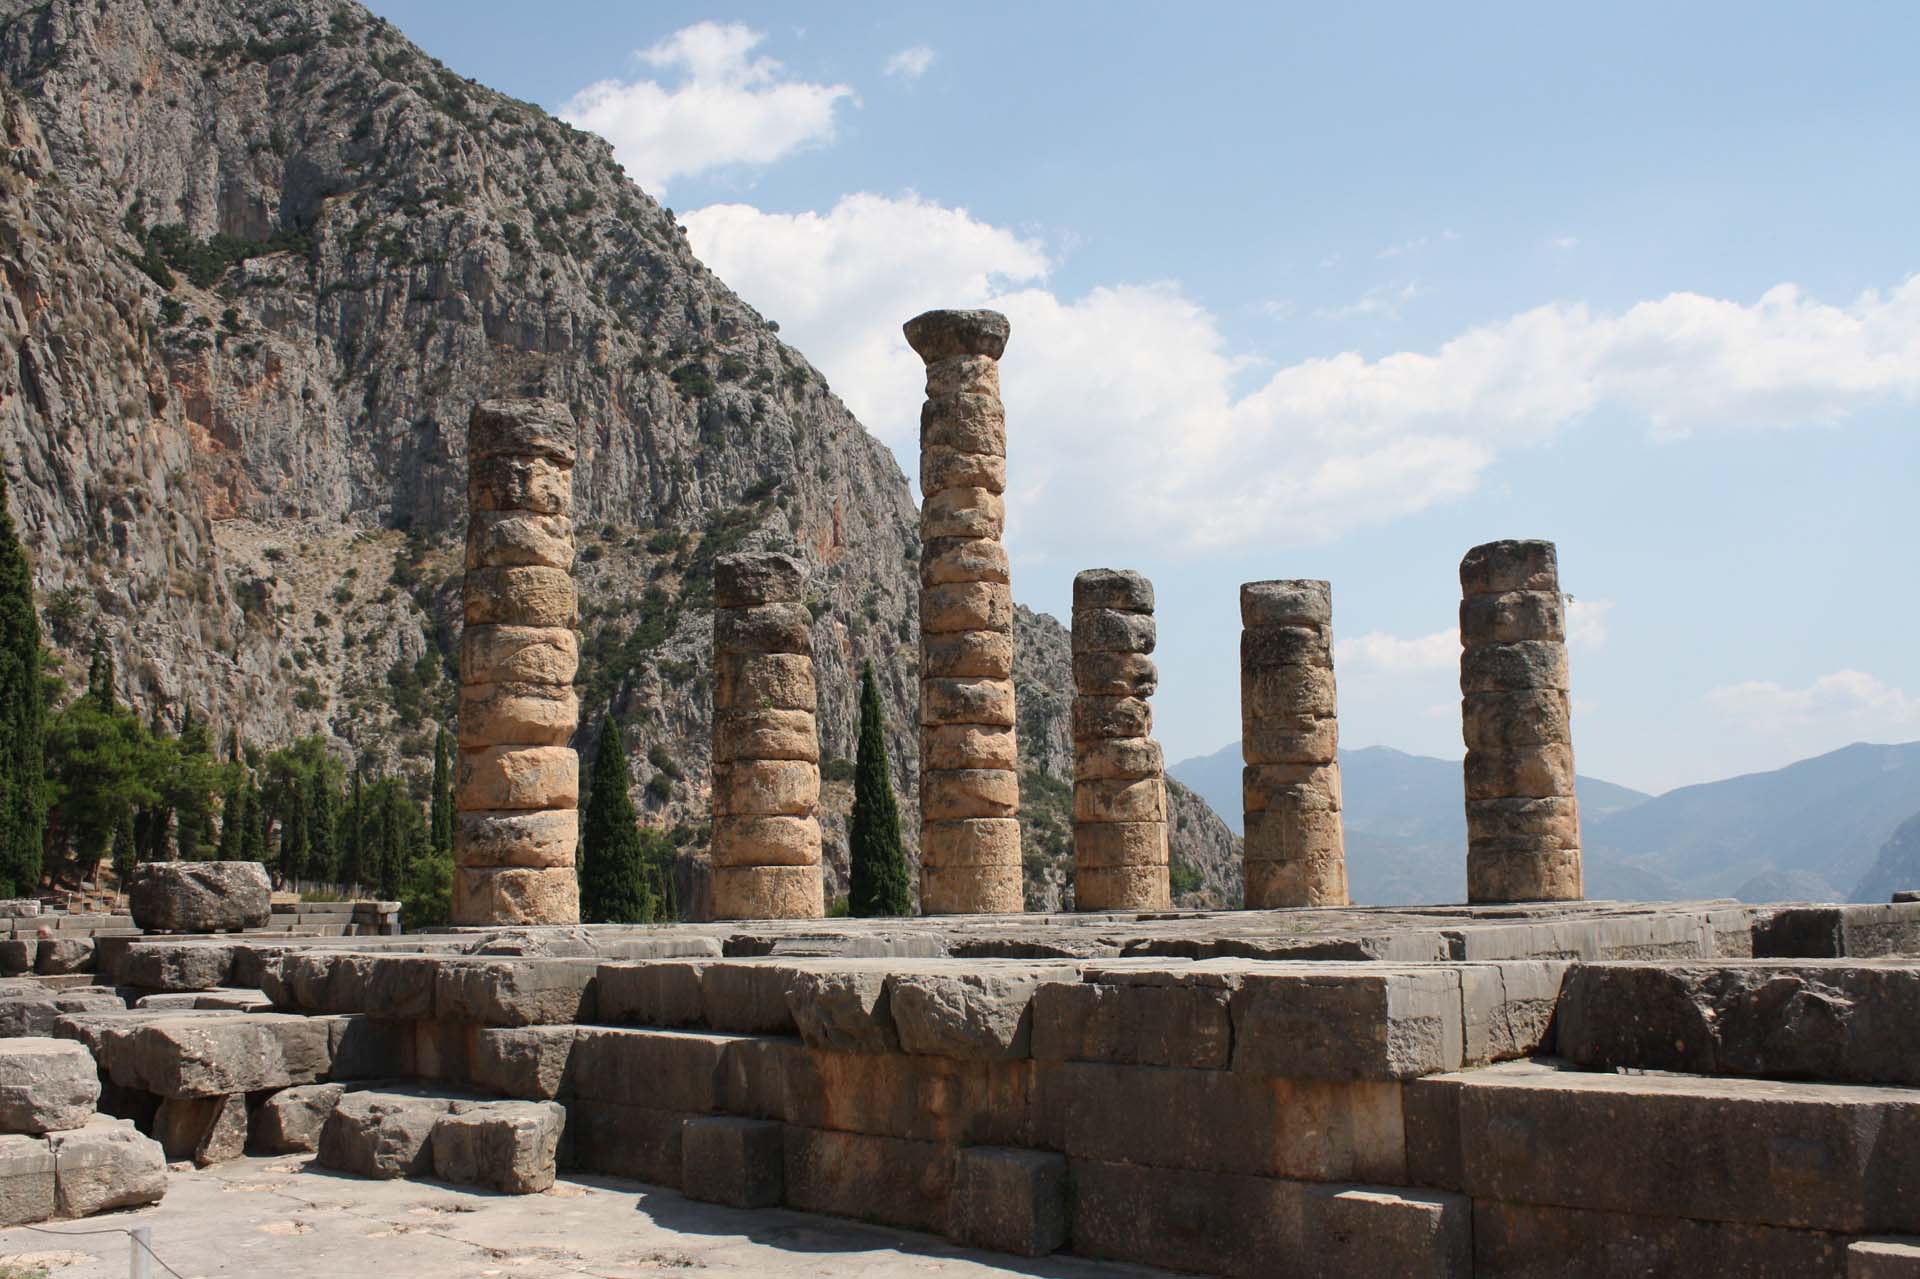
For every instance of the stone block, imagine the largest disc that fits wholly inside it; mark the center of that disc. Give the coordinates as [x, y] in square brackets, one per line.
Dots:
[177, 966]
[59, 955]
[980, 1012]
[956, 607]
[206, 1130]
[1102, 718]
[512, 777]
[536, 839]
[764, 682]
[843, 1010]
[1120, 799]
[971, 890]
[1519, 667]
[881, 1179]
[967, 655]
[1111, 845]
[968, 746]
[1885, 1258]
[747, 997]
[1506, 721]
[1286, 692]
[46, 1085]
[748, 578]
[962, 512]
[1508, 1009]
[384, 1134]
[1362, 1232]
[1181, 1025]
[1266, 648]
[522, 428]
[745, 735]
[963, 375]
[1115, 674]
[1294, 602]
[1510, 565]
[1133, 887]
[1210, 1222]
[17, 954]
[967, 701]
[765, 841]
[1850, 932]
[27, 1181]
[518, 539]
[1528, 1241]
[626, 1141]
[290, 1121]
[512, 895]
[199, 897]
[1294, 833]
[1290, 741]
[517, 714]
[1513, 616]
[729, 1160]
[1294, 787]
[975, 841]
[1535, 772]
[534, 1062]
[1130, 759]
[1348, 1022]
[1009, 1200]
[768, 892]
[515, 992]
[106, 1165]
[1511, 875]
[1109, 630]
[1115, 588]
[946, 468]
[763, 628]
[660, 993]
[509, 1146]
[533, 596]
[1523, 825]
[399, 986]
[214, 1055]
[1228, 1121]
[957, 794]
[519, 655]
[941, 335]
[967, 422]
[918, 1098]
[665, 1069]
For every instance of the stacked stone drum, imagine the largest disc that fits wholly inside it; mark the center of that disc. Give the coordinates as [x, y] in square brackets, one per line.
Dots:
[1523, 822]
[766, 746]
[1290, 737]
[1119, 791]
[519, 781]
[969, 786]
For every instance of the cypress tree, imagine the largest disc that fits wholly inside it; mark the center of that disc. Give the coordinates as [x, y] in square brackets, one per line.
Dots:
[123, 853]
[322, 827]
[613, 878]
[353, 847]
[253, 847]
[233, 822]
[293, 837]
[442, 796]
[877, 864]
[100, 674]
[23, 723]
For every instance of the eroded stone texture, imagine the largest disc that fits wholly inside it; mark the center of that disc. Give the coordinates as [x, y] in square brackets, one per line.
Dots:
[969, 785]
[519, 780]
[766, 744]
[1523, 823]
[199, 897]
[46, 1085]
[1295, 846]
[1119, 791]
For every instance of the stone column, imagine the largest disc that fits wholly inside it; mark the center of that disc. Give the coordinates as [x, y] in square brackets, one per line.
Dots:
[1295, 851]
[969, 783]
[519, 781]
[1523, 822]
[1119, 790]
[766, 746]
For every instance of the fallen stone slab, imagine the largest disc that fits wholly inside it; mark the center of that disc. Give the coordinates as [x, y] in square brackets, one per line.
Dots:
[1842, 1021]
[213, 1054]
[509, 1146]
[27, 1182]
[383, 1134]
[291, 1120]
[46, 1085]
[177, 966]
[57, 956]
[206, 1130]
[199, 897]
[105, 1165]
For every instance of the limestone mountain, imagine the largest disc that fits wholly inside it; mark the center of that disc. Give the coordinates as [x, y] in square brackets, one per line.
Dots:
[256, 262]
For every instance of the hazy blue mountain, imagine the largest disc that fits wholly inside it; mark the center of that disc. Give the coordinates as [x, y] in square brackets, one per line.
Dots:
[1896, 868]
[1810, 830]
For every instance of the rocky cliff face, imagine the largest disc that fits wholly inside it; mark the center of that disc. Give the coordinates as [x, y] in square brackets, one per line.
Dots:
[258, 261]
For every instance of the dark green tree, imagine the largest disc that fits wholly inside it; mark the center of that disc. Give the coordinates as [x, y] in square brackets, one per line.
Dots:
[613, 879]
[353, 836]
[102, 766]
[23, 790]
[233, 819]
[253, 847]
[442, 795]
[100, 673]
[323, 826]
[877, 864]
[123, 851]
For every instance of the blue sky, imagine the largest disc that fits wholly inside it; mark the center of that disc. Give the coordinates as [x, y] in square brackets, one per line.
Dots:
[1331, 293]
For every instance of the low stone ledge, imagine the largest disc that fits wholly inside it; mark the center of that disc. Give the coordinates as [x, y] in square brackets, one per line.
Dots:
[1885, 1258]
[1569, 1243]
[1010, 1201]
[104, 1165]
[509, 1146]
[382, 1134]
[879, 1179]
[733, 1161]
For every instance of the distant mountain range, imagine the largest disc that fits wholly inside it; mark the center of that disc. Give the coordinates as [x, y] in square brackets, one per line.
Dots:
[1820, 829]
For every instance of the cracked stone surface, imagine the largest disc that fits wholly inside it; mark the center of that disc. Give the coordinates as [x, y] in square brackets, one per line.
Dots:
[259, 1216]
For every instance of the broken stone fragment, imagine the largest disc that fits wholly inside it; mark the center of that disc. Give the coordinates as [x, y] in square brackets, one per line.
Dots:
[291, 1119]
[383, 1134]
[509, 1146]
[199, 897]
[106, 1165]
[1498, 567]
[46, 1085]
[522, 428]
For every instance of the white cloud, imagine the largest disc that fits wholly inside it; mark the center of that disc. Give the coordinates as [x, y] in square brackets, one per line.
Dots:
[1129, 425]
[910, 63]
[1385, 299]
[1566, 242]
[727, 108]
[1378, 650]
[1587, 623]
[1842, 707]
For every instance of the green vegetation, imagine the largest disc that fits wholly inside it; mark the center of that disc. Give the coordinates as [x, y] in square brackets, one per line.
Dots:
[1183, 877]
[23, 799]
[877, 864]
[625, 871]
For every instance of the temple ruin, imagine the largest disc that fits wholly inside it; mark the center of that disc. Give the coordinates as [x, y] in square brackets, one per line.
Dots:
[1119, 792]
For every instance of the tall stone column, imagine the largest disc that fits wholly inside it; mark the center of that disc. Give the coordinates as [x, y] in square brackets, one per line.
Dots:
[766, 745]
[969, 783]
[1523, 822]
[519, 781]
[1119, 787]
[1289, 734]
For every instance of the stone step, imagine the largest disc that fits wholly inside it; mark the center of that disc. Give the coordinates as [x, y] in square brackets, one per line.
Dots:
[1823, 1157]
[1838, 1021]
[1838, 932]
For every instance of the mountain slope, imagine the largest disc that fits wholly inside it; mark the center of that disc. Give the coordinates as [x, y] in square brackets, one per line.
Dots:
[1896, 868]
[259, 259]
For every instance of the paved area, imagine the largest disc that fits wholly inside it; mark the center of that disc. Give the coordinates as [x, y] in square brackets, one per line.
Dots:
[260, 1217]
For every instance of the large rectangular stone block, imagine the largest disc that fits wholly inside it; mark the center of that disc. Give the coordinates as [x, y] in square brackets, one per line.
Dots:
[978, 1010]
[1838, 932]
[625, 1141]
[733, 1161]
[663, 1069]
[1887, 1258]
[515, 992]
[26, 1180]
[1133, 1024]
[919, 1098]
[535, 1062]
[1524, 1241]
[1009, 1200]
[655, 993]
[183, 1055]
[1348, 1022]
[880, 1179]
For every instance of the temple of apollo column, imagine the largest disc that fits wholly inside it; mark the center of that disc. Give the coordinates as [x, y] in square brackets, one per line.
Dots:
[1119, 792]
